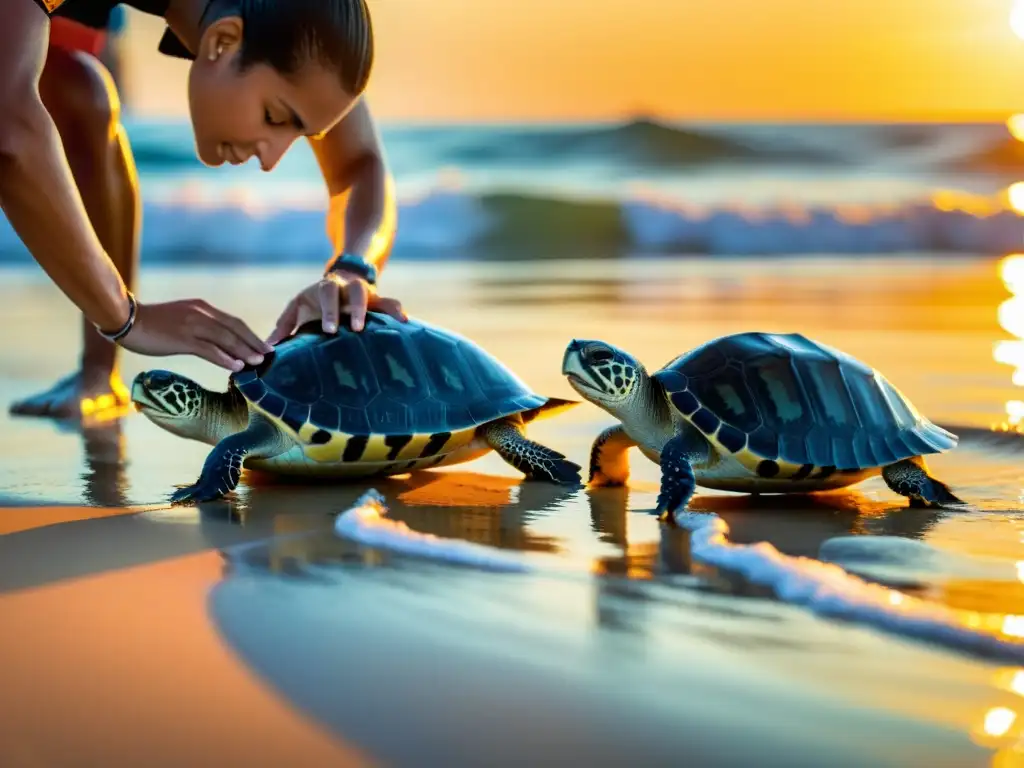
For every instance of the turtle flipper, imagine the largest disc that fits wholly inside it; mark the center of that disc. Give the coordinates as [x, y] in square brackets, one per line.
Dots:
[536, 461]
[223, 467]
[910, 478]
[678, 481]
[609, 462]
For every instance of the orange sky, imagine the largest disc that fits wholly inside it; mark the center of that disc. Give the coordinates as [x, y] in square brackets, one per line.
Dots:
[756, 59]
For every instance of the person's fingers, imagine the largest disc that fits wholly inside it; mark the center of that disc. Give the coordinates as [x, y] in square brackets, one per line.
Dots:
[285, 323]
[391, 307]
[241, 330]
[217, 356]
[223, 337]
[329, 293]
[356, 299]
[308, 313]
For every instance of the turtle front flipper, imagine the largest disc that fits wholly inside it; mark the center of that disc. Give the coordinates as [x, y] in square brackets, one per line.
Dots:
[223, 467]
[609, 461]
[536, 461]
[910, 478]
[677, 479]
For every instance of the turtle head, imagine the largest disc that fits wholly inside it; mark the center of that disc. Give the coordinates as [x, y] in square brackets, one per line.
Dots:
[184, 407]
[602, 373]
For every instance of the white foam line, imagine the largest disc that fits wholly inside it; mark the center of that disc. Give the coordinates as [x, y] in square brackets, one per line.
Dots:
[366, 523]
[828, 590]
[824, 588]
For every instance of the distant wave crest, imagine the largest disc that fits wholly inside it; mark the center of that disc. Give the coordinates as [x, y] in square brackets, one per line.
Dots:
[456, 224]
[645, 145]
[640, 143]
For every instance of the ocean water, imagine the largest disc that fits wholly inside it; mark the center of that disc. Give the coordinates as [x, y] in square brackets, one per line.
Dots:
[604, 190]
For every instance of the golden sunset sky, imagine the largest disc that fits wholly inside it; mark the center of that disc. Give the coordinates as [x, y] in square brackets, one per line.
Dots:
[488, 60]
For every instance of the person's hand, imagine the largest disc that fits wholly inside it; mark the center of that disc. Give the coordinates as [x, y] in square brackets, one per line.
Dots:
[327, 299]
[193, 327]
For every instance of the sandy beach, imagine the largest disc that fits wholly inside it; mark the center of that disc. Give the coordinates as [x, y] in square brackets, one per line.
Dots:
[248, 633]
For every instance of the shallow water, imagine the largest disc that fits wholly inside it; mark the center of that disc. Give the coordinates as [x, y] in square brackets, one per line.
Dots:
[638, 651]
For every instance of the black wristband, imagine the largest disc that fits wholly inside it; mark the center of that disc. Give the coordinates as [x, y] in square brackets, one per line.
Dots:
[128, 324]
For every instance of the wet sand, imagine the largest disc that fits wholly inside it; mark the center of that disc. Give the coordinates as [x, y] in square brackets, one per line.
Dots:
[327, 651]
[98, 672]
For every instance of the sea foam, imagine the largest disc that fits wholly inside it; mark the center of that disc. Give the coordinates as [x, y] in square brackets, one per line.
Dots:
[823, 588]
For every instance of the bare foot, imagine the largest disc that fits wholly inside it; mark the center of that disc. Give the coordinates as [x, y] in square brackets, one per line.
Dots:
[77, 396]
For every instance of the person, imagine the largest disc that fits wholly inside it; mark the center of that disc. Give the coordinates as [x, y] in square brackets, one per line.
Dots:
[264, 73]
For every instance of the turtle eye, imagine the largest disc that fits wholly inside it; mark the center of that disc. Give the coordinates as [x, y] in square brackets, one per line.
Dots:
[600, 355]
[157, 380]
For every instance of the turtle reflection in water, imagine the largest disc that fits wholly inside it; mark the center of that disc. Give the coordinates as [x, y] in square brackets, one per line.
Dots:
[757, 413]
[392, 398]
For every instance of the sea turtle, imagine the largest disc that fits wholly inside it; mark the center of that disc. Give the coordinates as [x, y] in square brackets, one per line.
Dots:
[757, 413]
[394, 397]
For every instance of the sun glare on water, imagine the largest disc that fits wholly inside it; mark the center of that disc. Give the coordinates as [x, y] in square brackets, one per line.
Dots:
[1017, 19]
[1015, 196]
[1015, 125]
[1011, 318]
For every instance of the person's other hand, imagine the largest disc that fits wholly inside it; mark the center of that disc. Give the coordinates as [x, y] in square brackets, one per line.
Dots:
[194, 327]
[327, 299]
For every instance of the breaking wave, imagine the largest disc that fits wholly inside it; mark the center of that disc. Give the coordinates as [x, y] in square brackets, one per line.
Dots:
[458, 224]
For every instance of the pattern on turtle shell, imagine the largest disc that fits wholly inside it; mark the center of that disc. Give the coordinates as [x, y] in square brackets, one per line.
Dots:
[399, 380]
[784, 398]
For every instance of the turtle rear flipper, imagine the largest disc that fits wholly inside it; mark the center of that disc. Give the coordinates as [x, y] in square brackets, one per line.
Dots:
[223, 466]
[609, 458]
[910, 478]
[536, 461]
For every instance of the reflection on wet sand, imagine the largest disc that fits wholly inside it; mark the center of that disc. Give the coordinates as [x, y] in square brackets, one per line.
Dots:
[504, 513]
[104, 482]
[796, 525]
[488, 510]
[609, 518]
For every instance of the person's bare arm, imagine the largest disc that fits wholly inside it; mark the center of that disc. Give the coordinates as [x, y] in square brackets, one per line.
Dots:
[362, 216]
[37, 191]
[361, 220]
[42, 203]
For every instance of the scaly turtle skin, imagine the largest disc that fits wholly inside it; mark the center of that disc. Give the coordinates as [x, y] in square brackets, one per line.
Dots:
[392, 398]
[756, 413]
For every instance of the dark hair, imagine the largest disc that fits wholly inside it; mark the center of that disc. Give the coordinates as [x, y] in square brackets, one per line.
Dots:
[287, 34]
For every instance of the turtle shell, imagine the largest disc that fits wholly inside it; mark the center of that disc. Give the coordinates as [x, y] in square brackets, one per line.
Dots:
[391, 378]
[786, 398]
